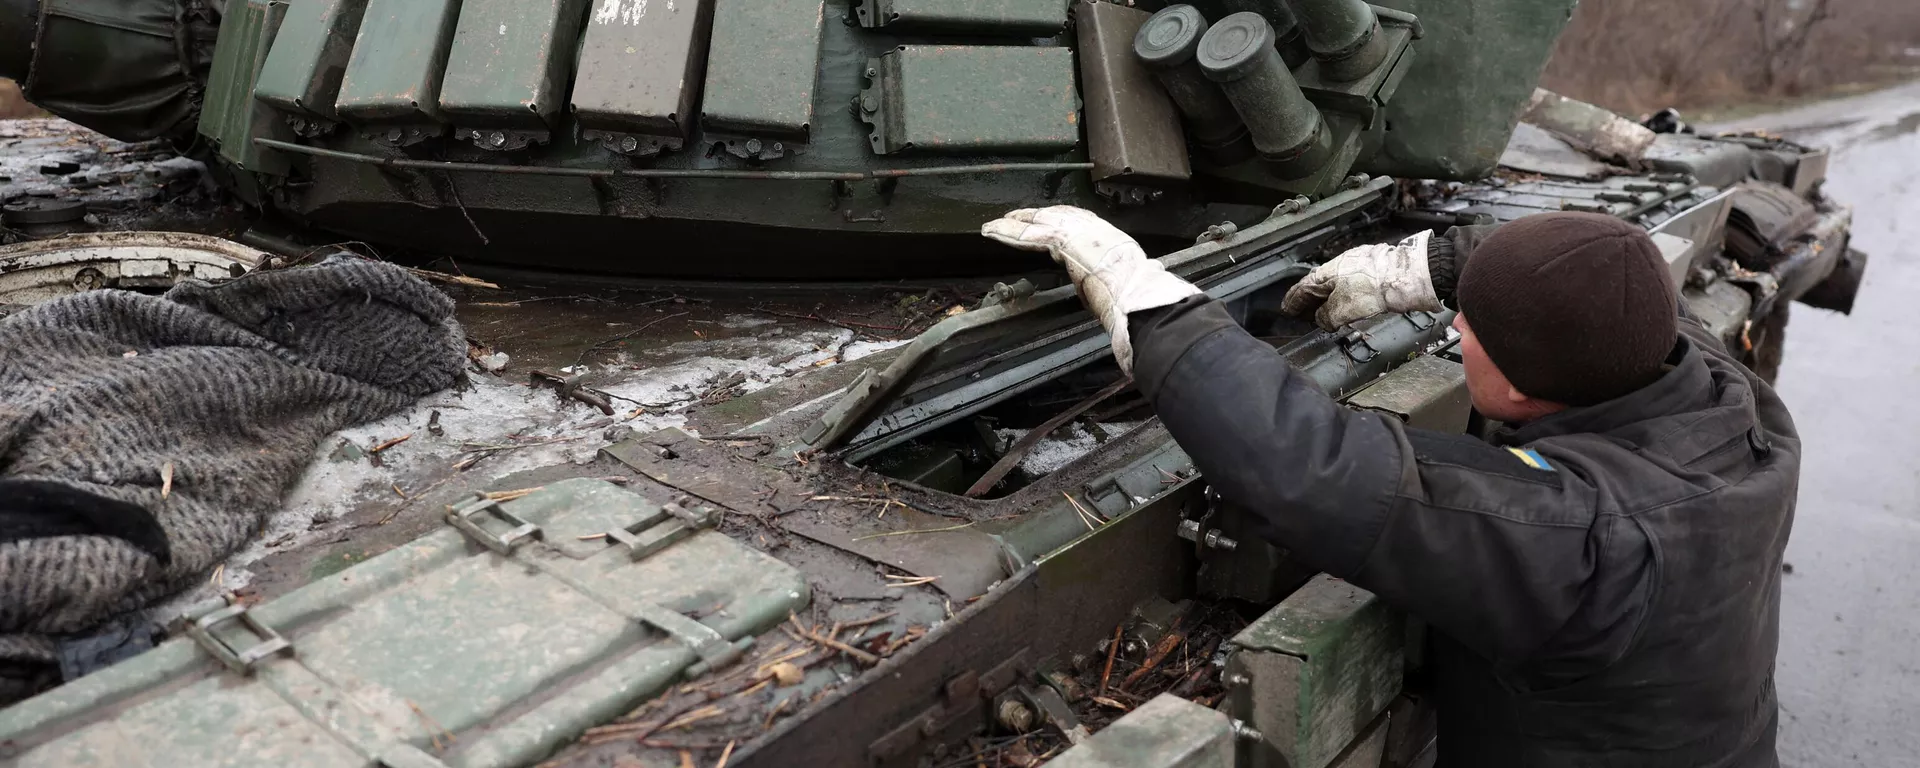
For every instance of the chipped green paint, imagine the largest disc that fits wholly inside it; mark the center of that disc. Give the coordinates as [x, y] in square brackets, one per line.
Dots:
[762, 65]
[641, 67]
[1165, 732]
[231, 118]
[511, 656]
[309, 56]
[1478, 62]
[1315, 671]
[394, 73]
[510, 62]
[334, 562]
[1427, 393]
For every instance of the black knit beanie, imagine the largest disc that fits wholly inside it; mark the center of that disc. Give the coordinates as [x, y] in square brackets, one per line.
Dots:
[1576, 308]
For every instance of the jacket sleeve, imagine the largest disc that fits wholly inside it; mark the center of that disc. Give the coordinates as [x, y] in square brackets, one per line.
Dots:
[1467, 536]
[1447, 255]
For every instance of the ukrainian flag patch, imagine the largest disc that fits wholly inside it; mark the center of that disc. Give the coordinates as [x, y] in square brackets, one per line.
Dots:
[1532, 459]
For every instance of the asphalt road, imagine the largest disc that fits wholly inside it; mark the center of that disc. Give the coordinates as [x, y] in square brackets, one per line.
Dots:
[1849, 665]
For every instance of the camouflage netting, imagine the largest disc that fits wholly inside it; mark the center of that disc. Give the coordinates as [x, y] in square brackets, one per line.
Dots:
[144, 439]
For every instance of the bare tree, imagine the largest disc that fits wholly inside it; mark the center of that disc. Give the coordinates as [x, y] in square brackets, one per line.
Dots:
[1639, 55]
[1784, 31]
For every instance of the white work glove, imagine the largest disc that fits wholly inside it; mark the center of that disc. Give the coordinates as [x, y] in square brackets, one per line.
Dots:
[1367, 281]
[1114, 275]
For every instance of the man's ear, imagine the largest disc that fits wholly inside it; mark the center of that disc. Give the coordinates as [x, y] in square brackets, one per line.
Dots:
[1533, 406]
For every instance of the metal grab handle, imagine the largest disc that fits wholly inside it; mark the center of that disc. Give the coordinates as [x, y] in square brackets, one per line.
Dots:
[199, 623]
[462, 518]
[641, 539]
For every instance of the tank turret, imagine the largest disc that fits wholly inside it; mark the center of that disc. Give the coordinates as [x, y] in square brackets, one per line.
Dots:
[789, 138]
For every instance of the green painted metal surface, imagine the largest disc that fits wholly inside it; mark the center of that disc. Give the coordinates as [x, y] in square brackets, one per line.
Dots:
[510, 62]
[394, 73]
[1479, 61]
[1364, 96]
[761, 68]
[230, 117]
[776, 80]
[641, 69]
[309, 56]
[440, 649]
[1314, 672]
[1038, 18]
[1427, 393]
[1165, 732]
[973, 99]
[1133, 127]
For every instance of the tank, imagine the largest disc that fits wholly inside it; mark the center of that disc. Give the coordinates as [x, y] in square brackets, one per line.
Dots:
[792, 140]
[882, 499]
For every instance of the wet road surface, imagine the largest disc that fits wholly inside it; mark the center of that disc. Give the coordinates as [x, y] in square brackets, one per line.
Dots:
[1849, 665]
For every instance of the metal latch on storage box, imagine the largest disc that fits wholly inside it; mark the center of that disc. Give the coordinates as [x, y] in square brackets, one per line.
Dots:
[714, 650]
[199, 622]
[652, 535]
[404, 755]
[462, 517]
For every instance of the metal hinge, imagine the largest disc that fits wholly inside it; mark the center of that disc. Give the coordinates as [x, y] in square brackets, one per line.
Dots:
[712, 647]
[656, 533]
[199, 622]
[962, 708]
[1357, 348]
[461, 516]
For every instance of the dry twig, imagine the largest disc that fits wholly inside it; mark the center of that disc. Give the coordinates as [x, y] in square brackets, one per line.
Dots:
[442, 277]
[850, 325]
[1085, 517]
[436, 730]
[680, 718]
[623, 337]
[1167, 644]
[871, 620]
[571, 388]
[904, 533]
[1113, 651]
[777, 709]
[514, 494]
[808, 634]
[1019, 450]
[1110, 703]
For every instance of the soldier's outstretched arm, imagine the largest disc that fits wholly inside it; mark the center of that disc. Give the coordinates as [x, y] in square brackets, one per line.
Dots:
[1470, 537]
[1473, 538]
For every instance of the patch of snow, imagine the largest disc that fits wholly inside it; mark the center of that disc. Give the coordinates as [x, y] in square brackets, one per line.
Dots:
[860, 349]
[1062, 447]
[494, 411]
[745, 321]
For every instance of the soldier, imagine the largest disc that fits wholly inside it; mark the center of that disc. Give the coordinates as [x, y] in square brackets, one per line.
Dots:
[1601, 577]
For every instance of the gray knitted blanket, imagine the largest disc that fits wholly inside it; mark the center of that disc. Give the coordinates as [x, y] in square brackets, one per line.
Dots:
[233, 384]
